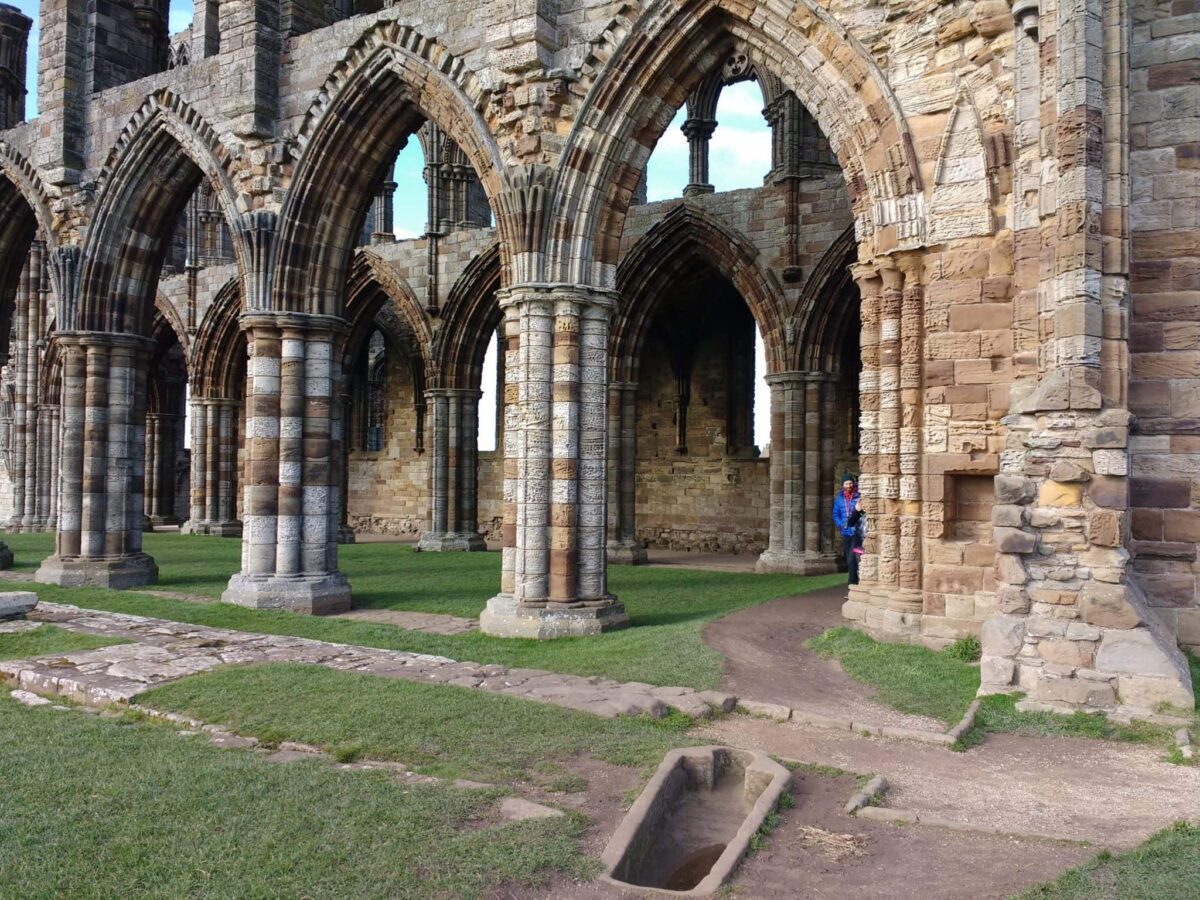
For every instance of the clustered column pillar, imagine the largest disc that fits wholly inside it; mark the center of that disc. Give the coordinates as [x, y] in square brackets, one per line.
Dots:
[26, 431]
[888, 599]
[453, 521]
[99, 540]
[213, 503]
[623, 545]
[293, 436]
[796, 518]
[161, 454]
[553, 579]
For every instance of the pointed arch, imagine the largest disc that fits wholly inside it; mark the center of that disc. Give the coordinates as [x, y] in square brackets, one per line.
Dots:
[25, 178]
[152, 171]
[670, 50]
[686, 237]
[392, 80]
[374, 289]
[821, 319]
[217, 360]
[470, 318]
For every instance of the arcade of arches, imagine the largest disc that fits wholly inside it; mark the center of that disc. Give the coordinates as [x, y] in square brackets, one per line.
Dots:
[964, 295]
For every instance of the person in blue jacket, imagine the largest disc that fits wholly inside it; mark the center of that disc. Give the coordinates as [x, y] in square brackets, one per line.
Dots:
[847, 517]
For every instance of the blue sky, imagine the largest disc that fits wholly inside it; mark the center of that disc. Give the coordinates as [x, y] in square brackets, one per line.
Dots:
[739, 157]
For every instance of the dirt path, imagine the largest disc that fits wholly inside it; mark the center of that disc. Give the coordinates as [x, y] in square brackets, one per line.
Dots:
[766, 660]
[1114, 795]
[818, 851]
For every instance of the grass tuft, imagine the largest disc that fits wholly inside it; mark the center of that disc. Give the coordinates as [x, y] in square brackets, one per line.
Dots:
[436, 729]
[1166, 867]
[50, 639]
[668, 607]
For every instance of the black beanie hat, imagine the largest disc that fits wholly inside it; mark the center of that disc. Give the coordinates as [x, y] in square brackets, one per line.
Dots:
[848, 477]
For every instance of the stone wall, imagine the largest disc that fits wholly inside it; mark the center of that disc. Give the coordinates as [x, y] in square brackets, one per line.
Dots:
[1164, 389]
[389, 488]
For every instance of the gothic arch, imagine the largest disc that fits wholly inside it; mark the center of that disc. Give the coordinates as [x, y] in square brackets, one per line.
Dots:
[374, 289]
[152, 171]
[469, 319]
[664, 59]
[24, 177]
[821, 319]
[685, 237]
[219, 350]
[391, 81]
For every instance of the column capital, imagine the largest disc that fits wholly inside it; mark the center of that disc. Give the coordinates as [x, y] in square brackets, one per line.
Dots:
[467, 393]
[698, 128]
[257, 320]
[102, 339]
[543, 292]
[866, 276]
[788, 378]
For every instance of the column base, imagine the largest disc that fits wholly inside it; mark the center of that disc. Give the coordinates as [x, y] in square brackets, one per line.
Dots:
[317, 595]
[627, 553]
[156, 521]
[506, 617]
[116, 573]
[346, 535]
[216, 529]
[804, 563]
[886, 614]
[464, 542]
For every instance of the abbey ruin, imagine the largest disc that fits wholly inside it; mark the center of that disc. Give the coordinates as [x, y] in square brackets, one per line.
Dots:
[974, 265]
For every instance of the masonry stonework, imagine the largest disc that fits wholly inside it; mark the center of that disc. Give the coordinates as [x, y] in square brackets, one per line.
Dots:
[972, 266]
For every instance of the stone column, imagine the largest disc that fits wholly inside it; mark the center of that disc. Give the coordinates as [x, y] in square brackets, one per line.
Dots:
[292, 496]
[226, 523]
[794, 535]
[47, 466]
[160, 468]
[453, 519]
[99, 539]
[38, 289]
[911, 391]
[623, 544]
[698, 133]
[197, 474]
[553, 580]
[26, 364]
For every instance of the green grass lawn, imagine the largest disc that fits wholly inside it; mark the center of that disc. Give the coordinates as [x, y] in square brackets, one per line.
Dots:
[917, 680]
[1166, 867]
[109, 808]
[668, 607]
[50, 639]
[437, 729]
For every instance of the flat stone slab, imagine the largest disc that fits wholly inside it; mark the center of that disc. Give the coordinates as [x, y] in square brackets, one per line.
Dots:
[159, 651]
[517, 809]
[17, 604]
[429, 623]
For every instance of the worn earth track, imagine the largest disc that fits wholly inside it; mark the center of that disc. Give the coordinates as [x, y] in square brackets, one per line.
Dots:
[766, 659]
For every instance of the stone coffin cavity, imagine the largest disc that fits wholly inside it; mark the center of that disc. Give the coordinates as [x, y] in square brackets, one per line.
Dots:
[692, 824]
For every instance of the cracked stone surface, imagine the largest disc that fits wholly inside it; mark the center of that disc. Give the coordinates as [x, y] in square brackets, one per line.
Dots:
[160, 651]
